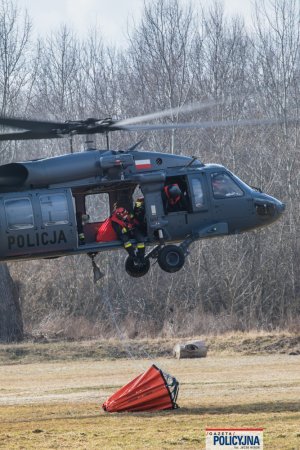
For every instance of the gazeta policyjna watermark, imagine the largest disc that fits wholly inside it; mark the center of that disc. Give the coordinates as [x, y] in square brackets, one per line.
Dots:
[234, 438]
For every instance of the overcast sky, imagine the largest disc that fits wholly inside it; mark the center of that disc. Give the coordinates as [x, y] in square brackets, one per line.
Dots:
[111, 16]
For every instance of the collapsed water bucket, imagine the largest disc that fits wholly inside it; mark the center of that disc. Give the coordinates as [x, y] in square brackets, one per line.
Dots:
[152, 390]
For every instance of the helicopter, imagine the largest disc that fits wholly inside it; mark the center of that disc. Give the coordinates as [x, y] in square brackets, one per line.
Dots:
[43, 202]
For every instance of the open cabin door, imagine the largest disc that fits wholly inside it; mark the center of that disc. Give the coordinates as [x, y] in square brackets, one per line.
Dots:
[193, 212]
[93, 208]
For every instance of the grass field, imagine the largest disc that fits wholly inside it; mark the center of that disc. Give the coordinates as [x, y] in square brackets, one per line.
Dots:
[57, 404]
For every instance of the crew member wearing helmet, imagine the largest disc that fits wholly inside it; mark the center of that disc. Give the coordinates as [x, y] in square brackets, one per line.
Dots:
[139, 230]
[221, 186]
[138, 216]
[173, 198]
[121, 225]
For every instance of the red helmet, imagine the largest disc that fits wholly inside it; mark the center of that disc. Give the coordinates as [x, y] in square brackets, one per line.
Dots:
[174, 190]
[121, 213]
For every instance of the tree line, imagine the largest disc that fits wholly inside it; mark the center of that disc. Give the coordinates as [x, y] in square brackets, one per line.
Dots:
[177, 54]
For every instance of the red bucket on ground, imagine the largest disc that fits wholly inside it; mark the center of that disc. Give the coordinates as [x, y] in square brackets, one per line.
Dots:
[153, 390]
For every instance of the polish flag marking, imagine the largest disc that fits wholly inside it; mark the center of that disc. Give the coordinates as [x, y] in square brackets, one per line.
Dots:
[143, 164]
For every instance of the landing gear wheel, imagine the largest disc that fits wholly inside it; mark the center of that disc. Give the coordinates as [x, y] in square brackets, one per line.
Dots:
[171, 258]
[136, 270]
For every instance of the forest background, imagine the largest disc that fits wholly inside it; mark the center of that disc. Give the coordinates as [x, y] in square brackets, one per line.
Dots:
[175, 55]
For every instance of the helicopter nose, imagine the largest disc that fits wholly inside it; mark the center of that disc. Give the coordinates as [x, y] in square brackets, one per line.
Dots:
[269, 209]
[280, 207]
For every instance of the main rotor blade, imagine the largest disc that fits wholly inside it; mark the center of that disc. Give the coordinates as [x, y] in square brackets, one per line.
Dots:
[28, 135]
[36, 129]
[27, 124]
[205, 125]
[197, 106]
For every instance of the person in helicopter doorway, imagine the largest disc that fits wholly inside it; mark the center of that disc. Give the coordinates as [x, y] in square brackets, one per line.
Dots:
[81, 219]
[125, 226]
[139, 217]
[173, 198]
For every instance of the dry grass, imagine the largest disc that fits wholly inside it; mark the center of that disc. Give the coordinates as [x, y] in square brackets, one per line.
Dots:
[56, 405]
[231, 343]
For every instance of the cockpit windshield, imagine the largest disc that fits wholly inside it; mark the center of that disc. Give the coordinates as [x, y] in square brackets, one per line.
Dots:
[224, 186]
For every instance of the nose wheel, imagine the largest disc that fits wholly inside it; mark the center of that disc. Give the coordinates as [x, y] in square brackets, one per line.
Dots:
[171, 258]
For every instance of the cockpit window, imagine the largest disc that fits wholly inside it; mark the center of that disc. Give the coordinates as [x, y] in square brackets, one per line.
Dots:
[224, 186]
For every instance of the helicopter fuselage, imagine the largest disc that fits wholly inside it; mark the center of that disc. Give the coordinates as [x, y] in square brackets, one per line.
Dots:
[43, 201]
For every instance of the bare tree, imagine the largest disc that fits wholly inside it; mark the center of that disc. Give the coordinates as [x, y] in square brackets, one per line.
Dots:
[14, 79]
[100, 71]
[156, 71]
[177, 55]
[11, 322]
[14, 49]
[56, 88]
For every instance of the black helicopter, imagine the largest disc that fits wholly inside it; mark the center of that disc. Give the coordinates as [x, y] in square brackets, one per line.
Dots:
[42, 202]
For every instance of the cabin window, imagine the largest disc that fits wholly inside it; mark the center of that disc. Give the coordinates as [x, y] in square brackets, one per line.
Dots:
[224, 186]
[197, 191]
[54, 209]
[19, 213]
